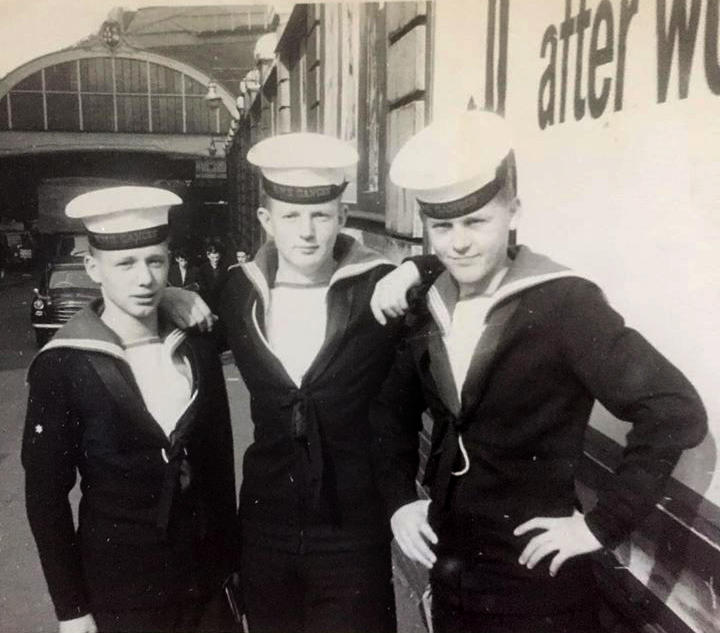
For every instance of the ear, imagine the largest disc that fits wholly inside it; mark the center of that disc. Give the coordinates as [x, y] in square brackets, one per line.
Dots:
[516, 213]
[263, 216]
[92, 268]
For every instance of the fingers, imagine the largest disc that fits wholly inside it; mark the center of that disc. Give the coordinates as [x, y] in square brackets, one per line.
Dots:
[201, 316]
[542, 546]
[393, 311]
[412, 532]
[428, 533]
[403, 303]
[538, 523]
[568, 536]
[558, 560]
[186, 309]
[389, 300]
[376, 310]
[416, 548]
[532, 546]
[209, 321]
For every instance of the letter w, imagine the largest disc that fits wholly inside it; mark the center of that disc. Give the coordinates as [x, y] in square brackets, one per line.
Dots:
[683, 31]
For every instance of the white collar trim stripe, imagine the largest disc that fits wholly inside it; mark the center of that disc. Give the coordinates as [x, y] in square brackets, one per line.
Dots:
[439, 310]
[172, 341]
[352, 270]
[255, 275]
[443, 318]
[91, 345]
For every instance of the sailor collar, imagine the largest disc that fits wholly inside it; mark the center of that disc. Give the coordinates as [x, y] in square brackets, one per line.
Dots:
[351, 257]
[86, 331]
[527, 270]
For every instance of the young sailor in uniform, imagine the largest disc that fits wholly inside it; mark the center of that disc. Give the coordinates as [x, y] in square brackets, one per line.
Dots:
[139, 411]
[509, 356]
[316, 543]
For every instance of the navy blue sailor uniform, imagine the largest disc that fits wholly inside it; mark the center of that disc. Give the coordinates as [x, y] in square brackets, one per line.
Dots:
[316, 539]
[507, 448]
[157, 517]
[314, 527]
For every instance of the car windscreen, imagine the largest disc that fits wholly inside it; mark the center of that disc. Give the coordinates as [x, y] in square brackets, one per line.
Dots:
[73, 278]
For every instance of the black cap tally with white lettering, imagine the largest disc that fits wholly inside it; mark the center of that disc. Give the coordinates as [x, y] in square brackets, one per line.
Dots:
[120, 218]
[303, 168]
[456, 165]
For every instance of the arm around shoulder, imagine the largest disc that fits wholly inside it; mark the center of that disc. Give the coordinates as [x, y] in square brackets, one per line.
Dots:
[186, 309]
[399, 288]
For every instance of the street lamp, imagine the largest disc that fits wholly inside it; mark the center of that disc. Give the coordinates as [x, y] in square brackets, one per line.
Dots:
[212, 98]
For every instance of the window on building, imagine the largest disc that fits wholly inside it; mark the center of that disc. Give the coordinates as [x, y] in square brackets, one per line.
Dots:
[111, 94]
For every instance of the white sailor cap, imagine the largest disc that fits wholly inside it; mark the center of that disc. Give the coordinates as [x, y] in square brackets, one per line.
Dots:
[303, 168]
[119, 218]
[456, 165]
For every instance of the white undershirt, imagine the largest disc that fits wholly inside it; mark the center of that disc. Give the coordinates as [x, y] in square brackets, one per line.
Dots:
[296, 323]
[163, 379]
[468, 325]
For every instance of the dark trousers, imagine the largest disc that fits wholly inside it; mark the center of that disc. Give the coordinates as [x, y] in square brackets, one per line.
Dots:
[453, 619]
[318, 592]
[468, 597]
[212, 616]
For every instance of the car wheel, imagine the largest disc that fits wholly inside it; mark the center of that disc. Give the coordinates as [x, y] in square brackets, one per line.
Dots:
[42, 336]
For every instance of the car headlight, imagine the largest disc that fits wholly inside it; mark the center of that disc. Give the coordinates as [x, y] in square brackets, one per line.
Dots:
[38, 304]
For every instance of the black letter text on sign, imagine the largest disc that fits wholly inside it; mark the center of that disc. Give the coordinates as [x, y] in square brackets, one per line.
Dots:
[683, 29]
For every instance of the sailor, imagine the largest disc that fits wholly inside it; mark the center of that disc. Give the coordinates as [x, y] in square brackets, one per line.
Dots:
[316, 541]
[316, 545]
[509, 356]
[139, 410]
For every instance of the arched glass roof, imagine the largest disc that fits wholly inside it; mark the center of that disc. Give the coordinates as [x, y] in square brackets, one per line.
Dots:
[112, 93]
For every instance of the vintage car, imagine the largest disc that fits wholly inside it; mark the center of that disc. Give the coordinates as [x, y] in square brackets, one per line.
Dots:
[64, 289]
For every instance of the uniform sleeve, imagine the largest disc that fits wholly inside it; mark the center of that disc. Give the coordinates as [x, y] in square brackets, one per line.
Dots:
[218, 465]
[49, 457]
[396, 421]
[228, 296]
[636, 384]
[429, 267]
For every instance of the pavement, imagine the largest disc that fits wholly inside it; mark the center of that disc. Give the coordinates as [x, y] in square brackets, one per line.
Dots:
[25, 606]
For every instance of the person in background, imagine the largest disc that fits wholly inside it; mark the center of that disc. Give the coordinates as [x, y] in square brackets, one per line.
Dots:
[509, 355]
[139, 410]
[182, 274]
[241, 256]
[212, 275]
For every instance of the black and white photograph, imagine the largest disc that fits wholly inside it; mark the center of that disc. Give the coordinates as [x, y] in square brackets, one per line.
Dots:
[359, 317]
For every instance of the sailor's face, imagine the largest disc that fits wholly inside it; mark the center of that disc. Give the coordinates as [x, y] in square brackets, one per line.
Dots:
[133, 280]
[474, 246]
[305, 234]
